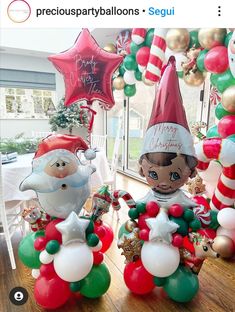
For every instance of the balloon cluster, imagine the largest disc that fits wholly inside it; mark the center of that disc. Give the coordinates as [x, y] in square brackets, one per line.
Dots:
[67, 258]
[167, 248]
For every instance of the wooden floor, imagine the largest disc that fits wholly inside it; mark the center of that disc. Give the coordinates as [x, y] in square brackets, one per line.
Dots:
[217, 280]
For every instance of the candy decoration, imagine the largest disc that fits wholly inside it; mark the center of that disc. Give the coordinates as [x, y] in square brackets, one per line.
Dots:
[215, 98]
[157, 54]
[123, 40]
[203, 215]
[224, 151]
[195, 129]
[125, 196]
[138, 35]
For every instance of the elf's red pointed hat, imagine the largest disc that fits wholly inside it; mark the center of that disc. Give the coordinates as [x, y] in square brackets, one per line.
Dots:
[168, 129]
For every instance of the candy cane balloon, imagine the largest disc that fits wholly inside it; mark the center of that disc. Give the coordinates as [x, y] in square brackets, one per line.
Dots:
[125, 196]
[157, 55]
[224, 151]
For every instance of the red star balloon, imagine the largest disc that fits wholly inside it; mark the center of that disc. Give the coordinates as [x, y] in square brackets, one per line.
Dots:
[87, 71]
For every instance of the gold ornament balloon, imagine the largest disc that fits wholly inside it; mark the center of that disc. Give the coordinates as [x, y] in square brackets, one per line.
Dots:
[224, 246]
[110, 47]
[118, 83]
[211, 37]
[177, 39]
[228, 99]
[194, 79]
[147, 82]
[130, 225]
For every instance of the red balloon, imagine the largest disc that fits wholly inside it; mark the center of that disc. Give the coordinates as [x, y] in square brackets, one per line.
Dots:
[107, 238]
[200, 200]
[137, 278]
[51, 293]
[176, 210]
[87, 71]
[52, 232]
[226, 126]
[40, 243]
[142, 221]
[216, 60]
[142, 56]
[152, 208]
[144, 234]
[209, 233]
[98, 257]
[177, 240]
[47, 270]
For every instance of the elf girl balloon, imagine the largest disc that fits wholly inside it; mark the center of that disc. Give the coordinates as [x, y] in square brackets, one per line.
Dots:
[58, 177]
[87, 71]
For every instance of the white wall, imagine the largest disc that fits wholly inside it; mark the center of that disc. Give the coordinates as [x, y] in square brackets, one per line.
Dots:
[12, 127]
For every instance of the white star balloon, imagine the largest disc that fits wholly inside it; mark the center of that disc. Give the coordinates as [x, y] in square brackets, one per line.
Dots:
[161, 228]
[73, 229]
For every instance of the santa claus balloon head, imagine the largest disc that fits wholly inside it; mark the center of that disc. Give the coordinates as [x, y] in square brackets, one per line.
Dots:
[59, 178]
[168, 157]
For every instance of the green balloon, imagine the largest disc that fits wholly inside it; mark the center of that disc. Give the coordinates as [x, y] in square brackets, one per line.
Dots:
[138, 75]
[133, 213]
[214, 224]
[188, 215]
[214, 79]
[122, 70]
[182, 285]
[159, 281]
[220, 112]
[52, 247]
[122, 230]
[141, 207]
[135, 47]
[27, 254]
[183, 229]
[130, 90]
[195, 225]
[227, 38]
[130, 62]
[97, 282]
[225, 80]
[194, 39]
[212, 132]
[201, 59]
[180, 74]
[149, 37]
[75, 286]
[92, 240]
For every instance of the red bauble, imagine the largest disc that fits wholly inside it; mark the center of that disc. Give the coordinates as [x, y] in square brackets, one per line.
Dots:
[216, 60]
[107, 238]
[87, 71]
[52, 233]
[144, 234]
[209, 233]
[40, 243]
[51, 293]
[176, 210]
[142, 221]
[226, 126]
[137, 278]
[177, 240]
[142, 56]
[152, 208]
[200, 200]
[98, 257]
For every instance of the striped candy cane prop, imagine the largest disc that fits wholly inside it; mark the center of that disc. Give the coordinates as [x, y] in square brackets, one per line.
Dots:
[224, 151]
[157, 55]
[125, 196]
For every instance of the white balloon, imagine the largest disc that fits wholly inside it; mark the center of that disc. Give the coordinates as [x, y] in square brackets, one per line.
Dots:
[97, 247]
[129, 77]
[179, 58]
[160, 259]
[73, 262]
[45, 257]
[35, 273]
[226, 218]
[141, 68]
[229, 233]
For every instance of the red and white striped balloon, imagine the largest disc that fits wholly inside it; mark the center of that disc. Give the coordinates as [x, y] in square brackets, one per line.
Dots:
[138, 35]
[157, 55]
[224, 151]
[125, 196]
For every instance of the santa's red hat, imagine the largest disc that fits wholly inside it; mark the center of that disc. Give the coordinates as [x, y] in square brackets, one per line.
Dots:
[68, 144]
[168, 129]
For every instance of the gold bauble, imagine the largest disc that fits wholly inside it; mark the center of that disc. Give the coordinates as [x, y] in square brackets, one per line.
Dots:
[211, 37]
[147, 82]
[130, 225]
[224, 246]
[177, 39]
[194, 79]
[118, 83]
[228, 99]
[110, 47]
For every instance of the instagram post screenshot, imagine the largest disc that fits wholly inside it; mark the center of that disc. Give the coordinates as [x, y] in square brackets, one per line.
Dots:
[117, 156]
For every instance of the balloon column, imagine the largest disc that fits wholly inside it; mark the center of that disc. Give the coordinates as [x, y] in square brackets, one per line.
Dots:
[67, 257]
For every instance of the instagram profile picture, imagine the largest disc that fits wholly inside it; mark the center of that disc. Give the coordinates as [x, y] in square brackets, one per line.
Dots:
[18, 11]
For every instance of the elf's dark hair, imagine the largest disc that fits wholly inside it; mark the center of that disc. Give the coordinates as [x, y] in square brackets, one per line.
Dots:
[165, 159]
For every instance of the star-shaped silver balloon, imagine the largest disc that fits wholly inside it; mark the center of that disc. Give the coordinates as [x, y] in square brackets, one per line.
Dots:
[161, 228]
[73, 229]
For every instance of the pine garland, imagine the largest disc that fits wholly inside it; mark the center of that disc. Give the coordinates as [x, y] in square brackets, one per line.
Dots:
[68, 117]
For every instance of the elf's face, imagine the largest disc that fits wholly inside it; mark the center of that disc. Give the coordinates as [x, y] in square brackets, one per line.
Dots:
[166, 179]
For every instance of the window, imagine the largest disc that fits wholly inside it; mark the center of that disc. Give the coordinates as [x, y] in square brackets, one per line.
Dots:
[26, 94]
